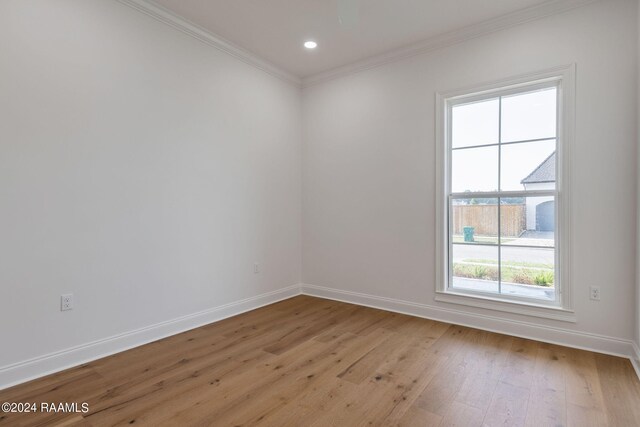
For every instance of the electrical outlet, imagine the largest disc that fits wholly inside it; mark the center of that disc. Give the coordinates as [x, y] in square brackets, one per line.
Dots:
[256, 268]
[594, 293]
[66, 302]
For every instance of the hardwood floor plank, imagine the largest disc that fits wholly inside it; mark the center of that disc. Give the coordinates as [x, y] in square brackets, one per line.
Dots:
[77, 385]
[252, 387]
[585, 401]
[453, 366]
[459, 414]
[416, 417]
[395, 385]
[621, 407]
[508, 406]
[547, 399]
[314, 362]
[361, 320]
[292, 389]
[317, 402]
[488, 358]
[304, 333]
[414, 332]
[521, 363]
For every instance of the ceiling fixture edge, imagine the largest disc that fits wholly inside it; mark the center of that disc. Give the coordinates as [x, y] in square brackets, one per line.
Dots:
[480, 29]
[165, 16]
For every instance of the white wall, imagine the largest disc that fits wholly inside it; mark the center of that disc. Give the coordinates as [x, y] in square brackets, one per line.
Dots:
[369, 163]
[140, 169]
[638, 208]
[146, 172]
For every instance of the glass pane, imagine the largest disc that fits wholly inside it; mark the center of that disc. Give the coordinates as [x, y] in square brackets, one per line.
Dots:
[528, 272]
[513, 219]
[475, 267]
[531, 223]
[474, 169]
[529, 116]
[475, 123]
[528, 166]
[475, 221]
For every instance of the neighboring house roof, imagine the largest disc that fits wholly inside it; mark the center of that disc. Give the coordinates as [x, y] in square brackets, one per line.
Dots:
[545, 172]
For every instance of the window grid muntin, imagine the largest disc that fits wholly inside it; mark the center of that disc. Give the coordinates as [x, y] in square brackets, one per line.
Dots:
[499, 94]
[504, 143]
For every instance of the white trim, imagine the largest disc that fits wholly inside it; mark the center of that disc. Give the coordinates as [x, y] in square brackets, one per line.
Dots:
[165, 16]
[441, 170]
[518, 328]
[564, 77]
[508, 306]
[54, 362]
[635, 358]
[513, 19]
[58, 361]
[566, 134]
[493, 194]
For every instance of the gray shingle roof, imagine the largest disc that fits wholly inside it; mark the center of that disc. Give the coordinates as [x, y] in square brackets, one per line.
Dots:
[545, 172]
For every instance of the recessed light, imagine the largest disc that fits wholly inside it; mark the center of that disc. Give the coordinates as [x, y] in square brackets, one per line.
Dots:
[310, 44]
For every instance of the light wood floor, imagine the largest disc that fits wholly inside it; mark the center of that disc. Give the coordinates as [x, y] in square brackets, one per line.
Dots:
[314, 362]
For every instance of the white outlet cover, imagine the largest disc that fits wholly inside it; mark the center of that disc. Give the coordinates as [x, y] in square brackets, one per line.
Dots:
[66, 302]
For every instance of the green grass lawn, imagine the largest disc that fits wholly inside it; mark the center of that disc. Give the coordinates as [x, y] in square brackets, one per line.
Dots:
[513, 272]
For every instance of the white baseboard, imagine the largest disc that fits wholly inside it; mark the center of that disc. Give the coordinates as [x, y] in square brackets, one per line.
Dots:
[635, 359]
[54, 362]
[518, 328]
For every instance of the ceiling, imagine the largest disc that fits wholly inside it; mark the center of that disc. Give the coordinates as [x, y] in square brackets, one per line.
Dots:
[346, 30]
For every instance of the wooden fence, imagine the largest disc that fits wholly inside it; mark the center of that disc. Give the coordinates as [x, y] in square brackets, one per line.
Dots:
[484, 219]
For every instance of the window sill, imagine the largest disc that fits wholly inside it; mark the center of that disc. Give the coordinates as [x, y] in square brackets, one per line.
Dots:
[508, 306]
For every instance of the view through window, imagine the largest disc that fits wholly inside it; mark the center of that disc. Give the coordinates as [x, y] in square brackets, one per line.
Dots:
[502, 193]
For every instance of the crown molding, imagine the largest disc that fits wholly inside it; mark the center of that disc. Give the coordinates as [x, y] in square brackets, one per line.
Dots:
[549, 8]
[513, 19]
[165, 16]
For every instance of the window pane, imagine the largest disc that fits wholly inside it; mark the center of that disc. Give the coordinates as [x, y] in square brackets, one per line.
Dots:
[475, 267]
[538, 224]
[528, 166]
[513, 219]
[504, 246]
[528, 272]
[529, 116]
[527, 221]
[475, 221]
[474, 169]
[475, 124]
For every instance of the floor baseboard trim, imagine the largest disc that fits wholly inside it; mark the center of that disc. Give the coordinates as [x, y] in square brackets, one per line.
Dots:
[553, 335]
[21, 372]
[58, 361]
[635, 359]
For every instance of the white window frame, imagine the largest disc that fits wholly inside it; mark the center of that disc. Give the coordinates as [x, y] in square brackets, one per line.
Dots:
[562, 307]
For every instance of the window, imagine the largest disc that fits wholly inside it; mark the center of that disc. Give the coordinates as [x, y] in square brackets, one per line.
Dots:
[503, 204]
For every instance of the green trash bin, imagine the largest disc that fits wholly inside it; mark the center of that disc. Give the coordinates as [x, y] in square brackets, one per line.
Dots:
[468, 233]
